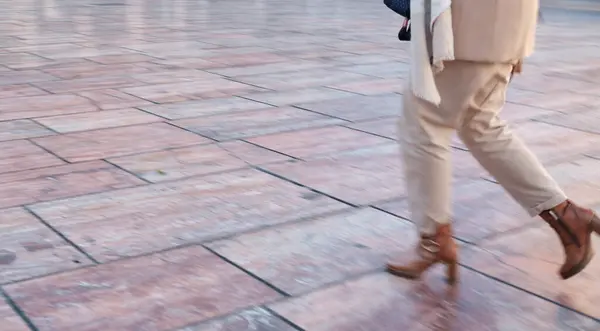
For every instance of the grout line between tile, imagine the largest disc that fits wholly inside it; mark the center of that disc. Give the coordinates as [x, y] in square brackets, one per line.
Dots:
[15, 307]
[190, 244]
[247, 272]
[62, 236]
[283, 318]
[259, 168]
[31, 140]
[501, 281]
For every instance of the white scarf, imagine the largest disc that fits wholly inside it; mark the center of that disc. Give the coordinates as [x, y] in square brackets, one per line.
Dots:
[422, 72]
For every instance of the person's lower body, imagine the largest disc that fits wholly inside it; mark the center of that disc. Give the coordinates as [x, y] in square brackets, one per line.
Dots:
[472, 96]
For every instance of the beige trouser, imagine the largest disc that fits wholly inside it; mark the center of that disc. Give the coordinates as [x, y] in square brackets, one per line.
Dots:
[472, 96]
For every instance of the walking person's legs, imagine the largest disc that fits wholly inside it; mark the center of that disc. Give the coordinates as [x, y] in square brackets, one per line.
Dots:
[472, 95]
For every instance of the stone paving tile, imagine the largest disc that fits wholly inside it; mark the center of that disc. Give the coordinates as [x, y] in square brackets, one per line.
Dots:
[113, 99]
[97, 120]
[212, 88]
[196, 160]
[551, 143]
[588, 121]
[174, 76]
[483, 209]
[301, 257]
[300, 79]
[24, 77]
[20, 90]
[158, 292]
[45, 184]
[284, 98]
[10, 320]
[382, 70]
[360, 177]
[288, 66]
[28, 107]
[365, 175]
[516, 113]
[28, 248]
[21, 155]
[319, 141]
[121, 58]
[358, 108]
[384, 302]
[105, 143]
[530, 259]
[140, 220]
[257, 319]
[385, 127]
[254, 123]
[247, 59]
[88, 83]
[197, 108]
[372, 87]
[91, 72]
[480, 209]
[20, 129]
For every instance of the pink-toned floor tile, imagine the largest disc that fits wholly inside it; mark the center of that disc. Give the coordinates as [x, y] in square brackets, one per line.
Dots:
[24, 77]
[91, 83]
[480, 209]
[358, 108]
[121, 58]
[284, 98]
[47, 105]
[551, 143]
[361, 177]
[385, 127]
[211, 88]
[174, 76]
[20, 129]
[261, 69]
[20, 155]
[10, 320]
[372, 87]
[29, 248]
[588, 121]
[45, 184]
[298, 258]
[113, 99]
[21, 90]
[97, 120]
[22, 60]
[99, 144]
[198, 108]
[515, 113]
[254, 123]
[196, 160]
[247, 59]
[385, 302]
[92, 71]
[140, 220]
[320, 141]
[158, 292]
[530, 259]
[257, 319]
[190, 63]
[300, 79]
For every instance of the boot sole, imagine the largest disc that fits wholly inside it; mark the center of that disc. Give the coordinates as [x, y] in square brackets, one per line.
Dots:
[580, 266]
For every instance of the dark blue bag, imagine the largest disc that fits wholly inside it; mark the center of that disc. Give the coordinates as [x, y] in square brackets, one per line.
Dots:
[401, 7]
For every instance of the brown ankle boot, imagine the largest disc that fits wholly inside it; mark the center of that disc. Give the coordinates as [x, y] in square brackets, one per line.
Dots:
[574, 226]
[439, 248]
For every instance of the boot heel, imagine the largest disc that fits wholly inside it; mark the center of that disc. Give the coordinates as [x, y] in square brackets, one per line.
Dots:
[452, 273]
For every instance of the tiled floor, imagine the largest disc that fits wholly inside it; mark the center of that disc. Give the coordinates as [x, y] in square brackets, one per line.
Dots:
[197, 165]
